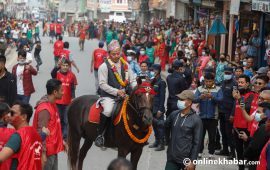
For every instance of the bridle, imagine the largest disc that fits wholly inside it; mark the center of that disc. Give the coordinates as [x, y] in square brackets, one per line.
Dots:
[145, 87]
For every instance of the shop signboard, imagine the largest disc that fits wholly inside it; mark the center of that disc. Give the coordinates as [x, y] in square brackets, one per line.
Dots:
[234, 9]
[105, 6]
[261, 5]
[197, 2]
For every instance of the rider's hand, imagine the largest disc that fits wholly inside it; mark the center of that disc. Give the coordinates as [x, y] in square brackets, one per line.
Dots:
[77, 70]
[121, 93]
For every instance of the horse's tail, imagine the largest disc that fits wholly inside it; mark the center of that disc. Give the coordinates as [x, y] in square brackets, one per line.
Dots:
[75, 119]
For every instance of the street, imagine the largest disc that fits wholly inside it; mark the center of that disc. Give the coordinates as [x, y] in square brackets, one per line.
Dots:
[96, 159]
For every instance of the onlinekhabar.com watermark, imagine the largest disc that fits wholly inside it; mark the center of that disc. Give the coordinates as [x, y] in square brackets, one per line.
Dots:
[219, 161]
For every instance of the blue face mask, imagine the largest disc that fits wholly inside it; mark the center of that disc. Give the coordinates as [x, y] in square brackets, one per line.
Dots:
[258, 117]
[152, 73]
[181, 105]
[227, 77]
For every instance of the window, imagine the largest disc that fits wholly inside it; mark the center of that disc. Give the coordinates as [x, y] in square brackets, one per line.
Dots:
[119, 1]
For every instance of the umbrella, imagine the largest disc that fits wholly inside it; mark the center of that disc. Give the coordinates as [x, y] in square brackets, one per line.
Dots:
[217, 28]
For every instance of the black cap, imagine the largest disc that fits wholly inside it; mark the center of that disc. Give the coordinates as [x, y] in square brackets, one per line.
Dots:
[156, 67]
[209, 70]
[177, 64]
[228, 69]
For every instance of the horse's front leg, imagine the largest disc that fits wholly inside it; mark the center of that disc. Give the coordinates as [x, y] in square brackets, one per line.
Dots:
[122, 152]
[135, 156]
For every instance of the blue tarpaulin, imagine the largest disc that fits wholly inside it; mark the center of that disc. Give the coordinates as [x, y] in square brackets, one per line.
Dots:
[217, 28]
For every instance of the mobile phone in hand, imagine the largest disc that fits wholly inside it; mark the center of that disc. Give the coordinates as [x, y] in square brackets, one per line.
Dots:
[242, 101]
[236, 130]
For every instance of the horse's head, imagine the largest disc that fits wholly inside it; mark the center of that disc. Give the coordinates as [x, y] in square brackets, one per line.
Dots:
[142, 102]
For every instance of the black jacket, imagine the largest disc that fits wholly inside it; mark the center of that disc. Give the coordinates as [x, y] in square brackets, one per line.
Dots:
[159, 99]
[186, 135]
[226, 105]
[176, 84]
[8, 88]
[256, 143]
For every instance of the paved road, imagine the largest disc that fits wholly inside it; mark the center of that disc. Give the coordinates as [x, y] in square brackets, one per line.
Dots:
[96, 159]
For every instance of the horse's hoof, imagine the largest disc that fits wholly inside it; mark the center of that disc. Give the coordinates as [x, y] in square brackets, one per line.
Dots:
[103, 148]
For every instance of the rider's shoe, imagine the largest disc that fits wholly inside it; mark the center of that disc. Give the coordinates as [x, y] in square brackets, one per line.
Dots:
[99, 142]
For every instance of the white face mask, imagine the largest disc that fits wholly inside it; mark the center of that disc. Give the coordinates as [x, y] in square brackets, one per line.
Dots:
[227, 77]
[181, 105]
[22, 62]
[203, 53]
[142, 52]
[129, 58]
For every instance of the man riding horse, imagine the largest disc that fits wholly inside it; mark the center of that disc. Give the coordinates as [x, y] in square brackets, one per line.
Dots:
[115, 80]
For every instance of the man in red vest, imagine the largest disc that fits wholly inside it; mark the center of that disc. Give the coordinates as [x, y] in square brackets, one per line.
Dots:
[69, 82]
[242, 96]
[5, 132]
[65, 53]
[58, 47]
[82, 38]
[46, 115]
[58, 28]
[98, 57]
[25, 142]
[52, 31]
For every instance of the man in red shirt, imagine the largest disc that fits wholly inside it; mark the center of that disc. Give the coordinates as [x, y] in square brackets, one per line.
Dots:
[52, 31]
[25, 142]
[69, 82]
[82, 39]
[58, 28]
[5, 132]
[46, 115]
[97, 59]
[65, 53]
[58, 47]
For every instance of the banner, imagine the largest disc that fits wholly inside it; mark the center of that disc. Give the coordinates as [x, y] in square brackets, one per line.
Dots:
[234, 9]
[261, 5]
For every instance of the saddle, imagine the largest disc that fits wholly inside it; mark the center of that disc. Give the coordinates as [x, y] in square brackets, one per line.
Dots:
[96, 109]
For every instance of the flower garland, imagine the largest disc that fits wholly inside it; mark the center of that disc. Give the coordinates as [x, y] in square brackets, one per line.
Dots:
[119, 79]
[130, 134]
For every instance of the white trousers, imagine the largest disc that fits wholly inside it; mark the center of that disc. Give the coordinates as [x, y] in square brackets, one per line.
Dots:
[107, 104]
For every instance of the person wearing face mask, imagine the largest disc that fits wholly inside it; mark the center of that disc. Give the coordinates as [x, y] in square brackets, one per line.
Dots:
[209, 96]
[134, 66]
[186, 133]
[26, 143]
[8, 85]
[203, 61]
[150, 52]
[242, 96]
[23, 73]
[220, 68]
[143, 57]
[259, 85]
[159, 86]
[224, 110]
[260, 137]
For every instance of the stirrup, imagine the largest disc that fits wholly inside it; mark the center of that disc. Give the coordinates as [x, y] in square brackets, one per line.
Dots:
[99, 142]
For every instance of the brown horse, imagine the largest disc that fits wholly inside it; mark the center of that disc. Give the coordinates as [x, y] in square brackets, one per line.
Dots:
[139, 118]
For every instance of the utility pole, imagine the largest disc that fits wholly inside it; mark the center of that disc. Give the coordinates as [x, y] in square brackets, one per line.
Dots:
[145, 14]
